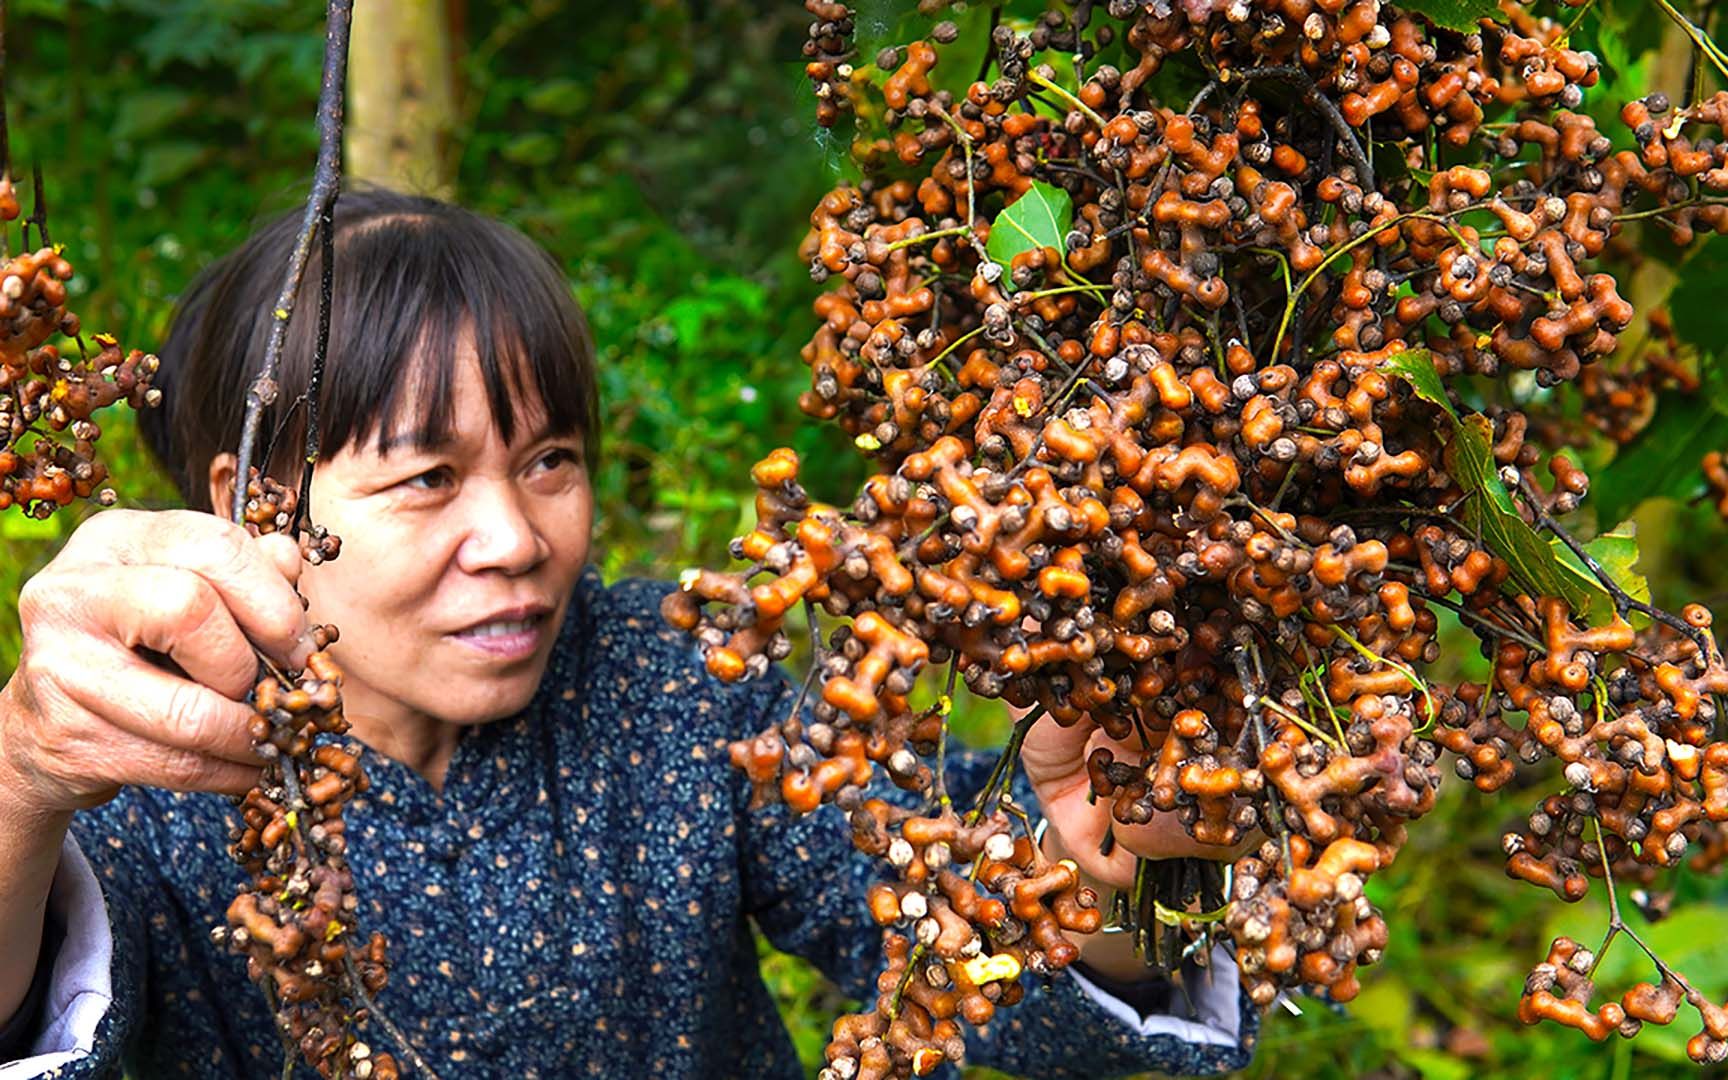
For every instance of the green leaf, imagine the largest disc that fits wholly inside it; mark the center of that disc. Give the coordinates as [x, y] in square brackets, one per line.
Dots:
[163, 163]
[558, 97]
[149, 111]
[538, 148]
[1454, 14]
[688, 313]
[1435, 1065]
[1700, 317]
[1617, 553]
[1663, 460]
[1039, 218]
[187, 37]
[1489, 510]
[1639, 37]
[15, 526]
[1416, 367]
[1626, 56]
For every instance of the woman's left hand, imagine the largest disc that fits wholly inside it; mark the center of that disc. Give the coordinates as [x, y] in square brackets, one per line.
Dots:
[1054, 760]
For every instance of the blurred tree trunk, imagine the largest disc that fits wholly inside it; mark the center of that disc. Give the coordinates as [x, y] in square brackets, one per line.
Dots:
[402, 96]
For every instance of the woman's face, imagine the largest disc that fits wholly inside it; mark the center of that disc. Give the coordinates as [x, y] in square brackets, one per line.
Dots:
[456, 563]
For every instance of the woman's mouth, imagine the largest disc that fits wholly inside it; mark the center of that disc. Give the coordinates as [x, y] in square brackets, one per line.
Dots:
[504, 639]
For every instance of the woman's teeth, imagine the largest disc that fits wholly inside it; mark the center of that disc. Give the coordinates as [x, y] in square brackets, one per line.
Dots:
[500, 629]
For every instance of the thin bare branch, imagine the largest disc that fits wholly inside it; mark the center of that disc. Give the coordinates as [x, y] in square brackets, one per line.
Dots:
[320, 208]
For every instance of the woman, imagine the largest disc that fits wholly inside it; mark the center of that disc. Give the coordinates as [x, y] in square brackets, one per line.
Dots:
[554, 843]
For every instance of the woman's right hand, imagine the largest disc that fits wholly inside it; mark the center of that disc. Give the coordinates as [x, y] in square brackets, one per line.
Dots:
[93, 705]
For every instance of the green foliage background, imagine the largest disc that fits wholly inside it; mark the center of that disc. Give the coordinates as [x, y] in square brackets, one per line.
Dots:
[664, 152]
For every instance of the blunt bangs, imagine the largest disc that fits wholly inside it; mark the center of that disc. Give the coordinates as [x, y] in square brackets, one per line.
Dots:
[414, 278]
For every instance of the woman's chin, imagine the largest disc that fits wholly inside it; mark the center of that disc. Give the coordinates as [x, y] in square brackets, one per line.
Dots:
[468, 693]
[469, 705]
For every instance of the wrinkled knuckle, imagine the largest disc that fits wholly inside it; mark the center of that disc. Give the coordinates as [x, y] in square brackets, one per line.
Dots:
[41, 682]
[230, 547]
[198, 540]
[62, 743]
[100, 530]
[55, 596]
[185, 771]
[190, 603]
[186, 715]
[33, 600]
[189, 524]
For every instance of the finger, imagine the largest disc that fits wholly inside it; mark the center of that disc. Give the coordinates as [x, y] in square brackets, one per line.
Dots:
[1164, 838]
[1052, 754]
[255, 580]
[1078, 830]
[181, 615]
[160, 708]
[1081, 824]
[124, 758]
[284, 554]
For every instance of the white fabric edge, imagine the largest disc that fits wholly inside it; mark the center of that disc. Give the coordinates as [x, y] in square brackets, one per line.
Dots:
[82, 984]
[1217, 1000]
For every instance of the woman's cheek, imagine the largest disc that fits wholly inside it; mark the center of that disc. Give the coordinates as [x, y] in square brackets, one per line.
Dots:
[576, 534]
[380, 578]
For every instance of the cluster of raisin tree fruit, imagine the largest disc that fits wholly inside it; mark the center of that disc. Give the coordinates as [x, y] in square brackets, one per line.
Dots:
[294, 918]
[48, 399]
[1170, 404]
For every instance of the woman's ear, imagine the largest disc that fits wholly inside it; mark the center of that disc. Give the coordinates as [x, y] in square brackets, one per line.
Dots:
[222, 483]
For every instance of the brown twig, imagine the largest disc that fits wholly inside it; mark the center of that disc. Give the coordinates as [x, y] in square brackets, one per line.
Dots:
[373, 1012]
[1623, 601]
[320, 206]
[1617, 926]
[38, 211]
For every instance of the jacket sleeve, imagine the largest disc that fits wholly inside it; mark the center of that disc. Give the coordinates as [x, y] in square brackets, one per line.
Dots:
[95, 990]
[805, 886]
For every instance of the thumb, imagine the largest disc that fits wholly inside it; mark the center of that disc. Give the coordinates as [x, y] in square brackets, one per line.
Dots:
[284, 554]
[1052, 753]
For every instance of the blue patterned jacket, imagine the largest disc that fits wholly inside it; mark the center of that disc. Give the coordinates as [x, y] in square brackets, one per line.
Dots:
[577, 902]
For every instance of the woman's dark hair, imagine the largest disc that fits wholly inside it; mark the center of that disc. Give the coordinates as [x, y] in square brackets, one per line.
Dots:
[412, 274]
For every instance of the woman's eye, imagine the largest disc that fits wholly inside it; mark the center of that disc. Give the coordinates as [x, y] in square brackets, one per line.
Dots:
[552, 459]
[430, 480]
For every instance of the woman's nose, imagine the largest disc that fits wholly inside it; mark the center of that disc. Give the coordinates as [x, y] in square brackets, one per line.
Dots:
[500, 531]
